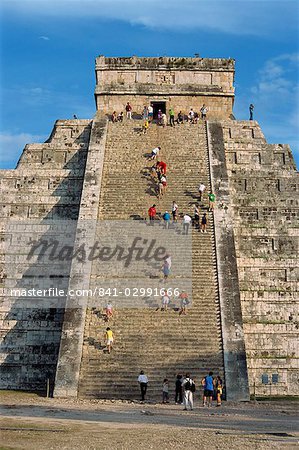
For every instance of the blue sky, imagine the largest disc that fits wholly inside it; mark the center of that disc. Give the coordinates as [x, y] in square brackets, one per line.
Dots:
[48, 50]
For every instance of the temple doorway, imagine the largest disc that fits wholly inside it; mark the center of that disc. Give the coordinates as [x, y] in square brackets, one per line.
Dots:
[157, 106]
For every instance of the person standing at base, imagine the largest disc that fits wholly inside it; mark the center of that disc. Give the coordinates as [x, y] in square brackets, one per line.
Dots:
[208, 385]
[109, 339]
[189, 387]
[219, 388]
[143, 382]
[178, 389]
[165, 391]
[251, 108]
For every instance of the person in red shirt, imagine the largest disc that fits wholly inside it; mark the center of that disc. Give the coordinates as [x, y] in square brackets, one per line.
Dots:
[152, 214]
[161, 165]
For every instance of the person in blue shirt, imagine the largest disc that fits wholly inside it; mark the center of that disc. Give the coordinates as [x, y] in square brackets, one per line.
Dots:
[208, 386]
[166, 218]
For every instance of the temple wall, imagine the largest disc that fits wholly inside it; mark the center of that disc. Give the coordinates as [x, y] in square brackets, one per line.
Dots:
[265, 205]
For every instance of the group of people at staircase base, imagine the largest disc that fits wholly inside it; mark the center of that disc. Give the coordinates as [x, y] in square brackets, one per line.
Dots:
[185, 389]
[159, 171]
[161, 118]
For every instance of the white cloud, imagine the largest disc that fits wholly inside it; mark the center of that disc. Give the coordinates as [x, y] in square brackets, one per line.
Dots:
[241, 17]
[44, 38]
[12, 146]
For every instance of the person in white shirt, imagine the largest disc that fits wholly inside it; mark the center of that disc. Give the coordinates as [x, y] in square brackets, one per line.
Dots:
[191, 115]
[189, 387]
[165, 302]
[204, 111]
[155, 153]
[150, 110]
[143, 381]
[174, 210]
[186, 223]
[201, 189]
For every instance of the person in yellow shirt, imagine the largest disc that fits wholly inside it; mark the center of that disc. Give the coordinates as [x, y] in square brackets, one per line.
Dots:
[109, 339]
[145, 126]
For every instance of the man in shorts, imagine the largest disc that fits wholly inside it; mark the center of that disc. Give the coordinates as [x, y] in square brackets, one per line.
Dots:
[208, 385]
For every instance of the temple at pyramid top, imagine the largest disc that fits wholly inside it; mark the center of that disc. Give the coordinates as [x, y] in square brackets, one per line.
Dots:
[181, 83]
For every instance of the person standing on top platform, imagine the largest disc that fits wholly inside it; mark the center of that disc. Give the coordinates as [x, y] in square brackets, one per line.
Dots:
[251, 108]
[129, 110]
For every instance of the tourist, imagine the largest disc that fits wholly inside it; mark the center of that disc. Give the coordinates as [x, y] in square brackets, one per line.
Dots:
[195, 118]
[75, 117]
[165, 301]
[145, 113]
[153, 171]
[160, 189]
[159, 117]
[179, 390]
[161, 166]
[208, 385]
[174, 211]
[201, 189]
[196, 216]
[171, 117]
[109, 339]
[145, 126]
[129, 111]
[164, 120]
[165, 391]
[152, 214]
[114, 117]
[186, 223]
[191, 115]
[120, 117]
[166, 267]
[184, 303]
[150, 110]
[251, 108]
[203, 225]
[143, 382]
[219, 388]
[164, 183]
[166, 218]
[109, 311]
[189, 387]
[211, 201]
[204, 111]
[154, 153]
[180, 118]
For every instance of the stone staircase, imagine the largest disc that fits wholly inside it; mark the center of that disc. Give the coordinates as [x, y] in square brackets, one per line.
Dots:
[158, 342]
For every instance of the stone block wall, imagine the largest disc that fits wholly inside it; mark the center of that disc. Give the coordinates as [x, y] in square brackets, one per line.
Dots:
[183, 83]
[45, 187]
[264, 204]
